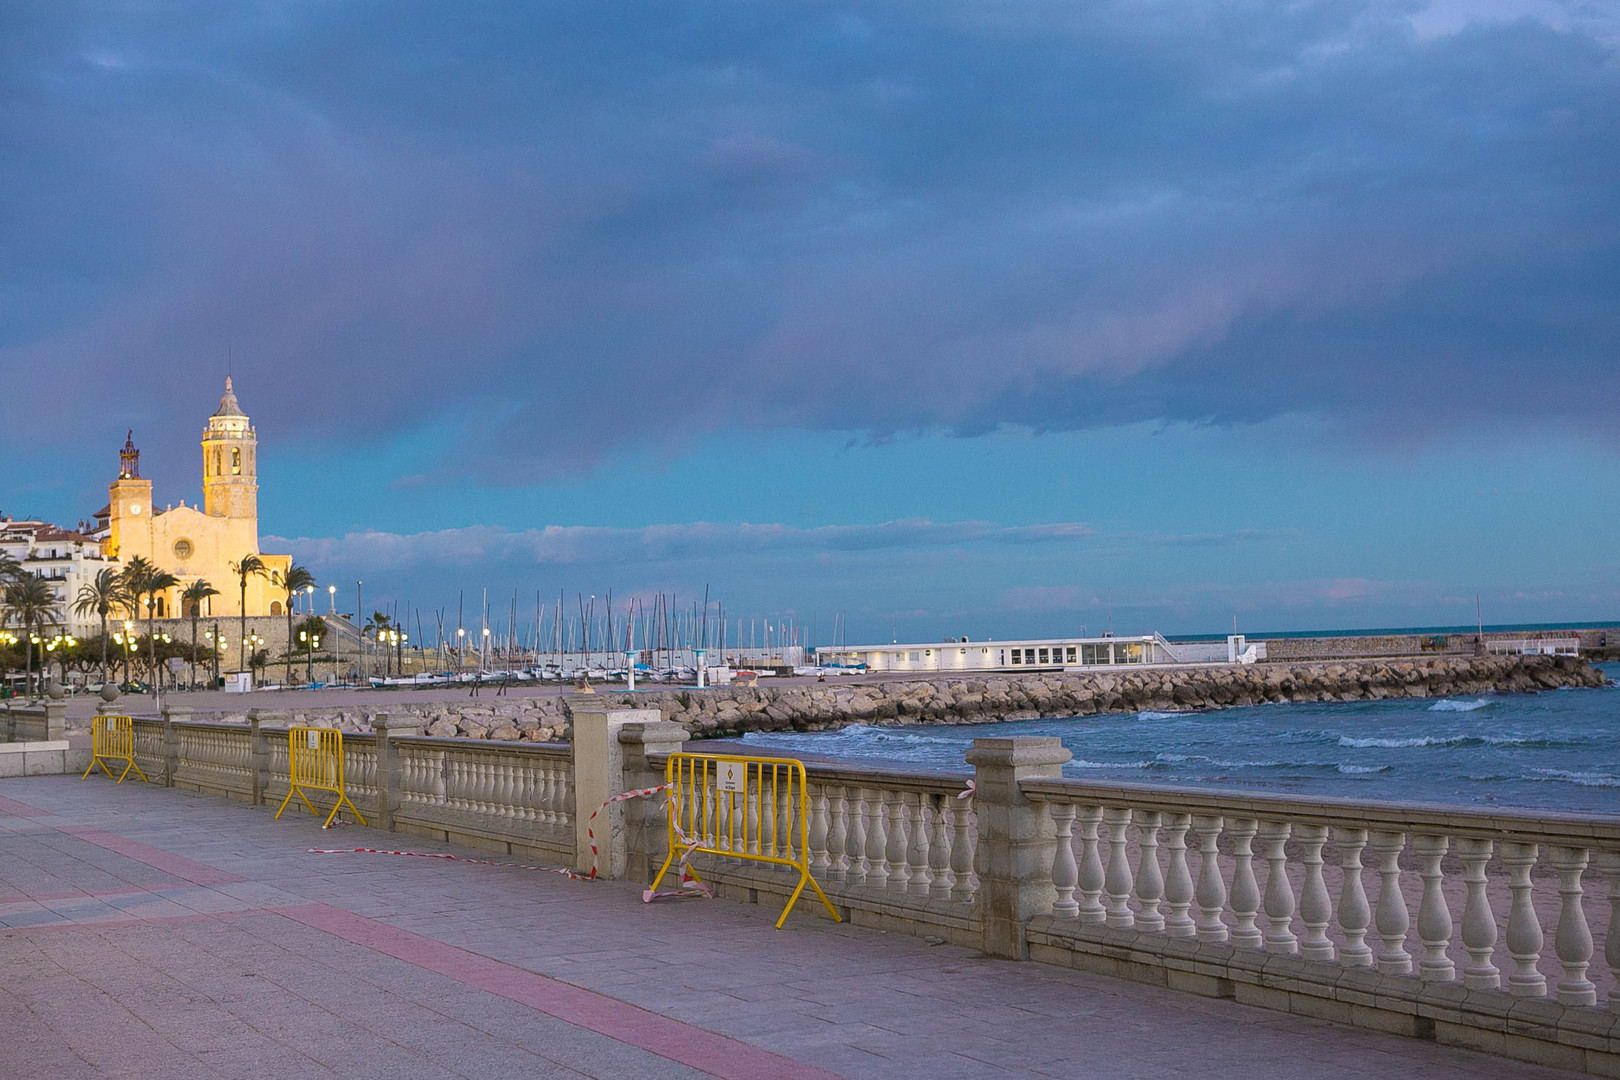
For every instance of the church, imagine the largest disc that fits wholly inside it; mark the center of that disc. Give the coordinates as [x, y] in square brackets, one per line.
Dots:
[198, 543]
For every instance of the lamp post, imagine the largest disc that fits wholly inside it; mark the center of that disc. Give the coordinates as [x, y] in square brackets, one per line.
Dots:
[461, 648]
[360, 629]
[332, 592]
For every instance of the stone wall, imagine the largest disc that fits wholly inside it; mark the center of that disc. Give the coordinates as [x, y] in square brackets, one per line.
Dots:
[1594, 643]
[725, 711]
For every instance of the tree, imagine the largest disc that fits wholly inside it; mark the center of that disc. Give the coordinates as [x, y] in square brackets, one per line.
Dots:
[31, 604]
[378, 626]
[10, 569]
[249, 566]
[144, 581]
[103, 596]
[291, 582]
[193, 596]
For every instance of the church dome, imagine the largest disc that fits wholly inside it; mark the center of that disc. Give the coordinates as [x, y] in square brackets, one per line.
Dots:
[227, 404]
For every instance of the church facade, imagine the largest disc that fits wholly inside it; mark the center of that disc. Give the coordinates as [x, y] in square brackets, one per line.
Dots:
[199, 543]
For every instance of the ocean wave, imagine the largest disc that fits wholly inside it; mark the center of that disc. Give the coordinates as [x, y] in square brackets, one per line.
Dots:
[1357, 770]
[1373, 742]
[1082, 763]
[1570, 776]
[1454, 705]
[1150, 714]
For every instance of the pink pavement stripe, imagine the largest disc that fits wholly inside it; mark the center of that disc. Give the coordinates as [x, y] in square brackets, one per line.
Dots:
[175, 865]
[696, 1047]
[20, 809]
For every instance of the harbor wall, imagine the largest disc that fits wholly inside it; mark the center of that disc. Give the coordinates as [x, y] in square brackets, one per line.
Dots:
[734, 710]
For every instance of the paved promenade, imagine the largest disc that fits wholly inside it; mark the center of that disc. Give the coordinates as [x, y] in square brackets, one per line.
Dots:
[151, 933]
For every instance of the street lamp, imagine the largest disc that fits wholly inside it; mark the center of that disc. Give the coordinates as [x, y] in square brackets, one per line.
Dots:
[331, 591]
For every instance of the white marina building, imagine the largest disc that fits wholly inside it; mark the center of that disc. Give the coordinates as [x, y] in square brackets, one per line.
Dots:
[1039, 654]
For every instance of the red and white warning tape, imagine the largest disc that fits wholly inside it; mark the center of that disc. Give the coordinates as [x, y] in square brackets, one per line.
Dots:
[968, 791]
[689, 885]
[444, 855]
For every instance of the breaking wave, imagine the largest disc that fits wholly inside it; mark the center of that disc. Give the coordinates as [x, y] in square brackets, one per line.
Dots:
[1453, 705]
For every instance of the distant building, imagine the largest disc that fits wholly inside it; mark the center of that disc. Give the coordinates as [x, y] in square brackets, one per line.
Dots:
[1034, 654]
[198, 543]
[65, 558]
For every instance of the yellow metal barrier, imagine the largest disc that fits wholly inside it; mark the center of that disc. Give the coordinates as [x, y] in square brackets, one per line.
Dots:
[112, 738]
[315, 763]
[741, 808]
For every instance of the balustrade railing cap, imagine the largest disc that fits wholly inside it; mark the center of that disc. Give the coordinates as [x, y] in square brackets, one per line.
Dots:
[653, 731]
[1019, 750]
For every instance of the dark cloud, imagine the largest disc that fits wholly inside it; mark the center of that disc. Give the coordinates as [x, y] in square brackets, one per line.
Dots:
[600, 226]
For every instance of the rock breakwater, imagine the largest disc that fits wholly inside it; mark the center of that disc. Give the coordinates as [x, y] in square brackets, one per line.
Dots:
[726, 711]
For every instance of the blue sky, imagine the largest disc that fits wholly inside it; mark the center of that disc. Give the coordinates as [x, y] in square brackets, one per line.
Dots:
[959, 318]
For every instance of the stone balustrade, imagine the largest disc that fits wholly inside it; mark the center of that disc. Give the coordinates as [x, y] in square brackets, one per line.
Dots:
[1457, 915]
[1483, 929]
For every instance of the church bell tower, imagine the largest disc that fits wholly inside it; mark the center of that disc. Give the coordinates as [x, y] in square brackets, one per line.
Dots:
[230, 467]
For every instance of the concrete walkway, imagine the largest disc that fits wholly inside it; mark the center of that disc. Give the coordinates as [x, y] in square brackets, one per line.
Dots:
[150, 933]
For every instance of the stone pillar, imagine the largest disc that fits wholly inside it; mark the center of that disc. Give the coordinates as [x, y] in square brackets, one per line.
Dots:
[646, 831]
[171, 741]
[55, 720]
[387, 729]
[258, 757]
[598, 774]
[1017, 838]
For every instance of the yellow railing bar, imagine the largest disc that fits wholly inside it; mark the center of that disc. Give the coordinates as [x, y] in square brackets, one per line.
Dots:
[738, 807]
[112, 738]
[315, 763]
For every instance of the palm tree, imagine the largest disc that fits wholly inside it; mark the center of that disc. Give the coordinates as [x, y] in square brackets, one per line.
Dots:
[378, 626]
[102, 596]
[193, 597]
[144, 581]
[30, 602]
[292, 581]
[9, 568]
[250, 565]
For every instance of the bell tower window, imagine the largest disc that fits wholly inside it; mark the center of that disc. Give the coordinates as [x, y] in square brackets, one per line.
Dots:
[236, 461]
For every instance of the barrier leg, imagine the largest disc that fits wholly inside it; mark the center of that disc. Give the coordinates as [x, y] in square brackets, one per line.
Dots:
[137, 769]
[662, 870]
[296, 790]
[91, 767]
[343, 800]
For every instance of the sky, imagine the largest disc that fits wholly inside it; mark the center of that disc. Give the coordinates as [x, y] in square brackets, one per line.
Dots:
[958, 319]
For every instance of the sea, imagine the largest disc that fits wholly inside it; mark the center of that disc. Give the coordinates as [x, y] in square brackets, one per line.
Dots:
[1556, 750]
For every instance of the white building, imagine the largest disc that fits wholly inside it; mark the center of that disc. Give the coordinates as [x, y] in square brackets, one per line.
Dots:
[1037, 654]
[65, 558]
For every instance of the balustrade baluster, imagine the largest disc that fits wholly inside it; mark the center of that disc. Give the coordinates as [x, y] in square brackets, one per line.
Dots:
[819, 862]
[1279, 897]
[1573, 938]
[563, 796]
[895, 854]
[1355, 914]
[1065, 871]
[837, 833]
[921, 873]
[1478, 922]
[1178, 886]
[765, 844]
[753, 803]
[1609, 863]
[939, 850]
[1245, 901]
[1434, 914]
[877, 839]
[1092, 877]
[1315, 905]
[787, 817]
[1393, 919]
[1119, 881]
[1149, 879]
[962, 849]
[1211, 894]
[857, 837]
[1524, 938]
